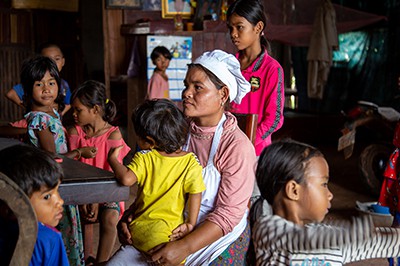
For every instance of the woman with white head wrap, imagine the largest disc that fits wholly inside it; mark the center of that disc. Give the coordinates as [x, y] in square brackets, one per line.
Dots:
[222, 234]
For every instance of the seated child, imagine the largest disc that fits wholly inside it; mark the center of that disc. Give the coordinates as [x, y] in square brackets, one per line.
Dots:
[158, 86]
[287, 230]
[168, 178]
[39, 176]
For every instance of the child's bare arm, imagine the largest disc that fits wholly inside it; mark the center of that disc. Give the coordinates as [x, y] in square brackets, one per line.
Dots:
[194, 202]
[10, 131]
[125, 176]
[46, 140]
[13, 96]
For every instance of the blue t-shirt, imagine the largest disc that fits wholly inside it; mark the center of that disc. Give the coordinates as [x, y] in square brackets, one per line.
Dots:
[49, 248]
[64, 90]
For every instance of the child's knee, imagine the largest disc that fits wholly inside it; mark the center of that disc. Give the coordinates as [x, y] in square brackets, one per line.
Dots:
[109, 218]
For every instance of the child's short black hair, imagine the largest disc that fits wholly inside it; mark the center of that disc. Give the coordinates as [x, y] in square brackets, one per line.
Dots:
[46, 45]
[33, 70]
[161, 120]
[281, 162]
[160, 50]
[91, 93]
[30, 168]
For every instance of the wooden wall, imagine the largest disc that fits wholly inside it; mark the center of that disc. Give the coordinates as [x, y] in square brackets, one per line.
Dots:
[15, 45]
[21, 32]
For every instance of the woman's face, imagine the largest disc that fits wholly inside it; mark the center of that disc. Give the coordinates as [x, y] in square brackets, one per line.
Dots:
[202, 101]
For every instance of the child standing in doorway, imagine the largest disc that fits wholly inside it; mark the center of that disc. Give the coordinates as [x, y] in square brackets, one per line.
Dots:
[246, 23]
[40, 80]
[53, 51]
[168, 178]
[287, 230]
[158, 86]
[93, 112]
[39, 176]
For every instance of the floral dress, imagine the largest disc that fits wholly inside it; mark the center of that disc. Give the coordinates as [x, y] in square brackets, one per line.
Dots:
[70, 225]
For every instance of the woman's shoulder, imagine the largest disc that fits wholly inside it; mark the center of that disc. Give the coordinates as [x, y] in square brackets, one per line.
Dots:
[232, 130]
[234, 141]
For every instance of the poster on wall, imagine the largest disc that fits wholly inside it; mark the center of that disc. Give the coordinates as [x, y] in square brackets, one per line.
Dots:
[181, 50]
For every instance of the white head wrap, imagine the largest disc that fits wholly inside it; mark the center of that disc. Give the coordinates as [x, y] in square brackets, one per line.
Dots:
[227, 68]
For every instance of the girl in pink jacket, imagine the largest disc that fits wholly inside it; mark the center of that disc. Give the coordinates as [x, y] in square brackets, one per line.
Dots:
[246, 23]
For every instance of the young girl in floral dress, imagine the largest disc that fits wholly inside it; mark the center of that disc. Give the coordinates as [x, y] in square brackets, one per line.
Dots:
[41, 81]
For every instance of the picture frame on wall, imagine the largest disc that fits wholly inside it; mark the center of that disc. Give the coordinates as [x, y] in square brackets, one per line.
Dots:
[171, 8]
[124, 4]
[206, 10]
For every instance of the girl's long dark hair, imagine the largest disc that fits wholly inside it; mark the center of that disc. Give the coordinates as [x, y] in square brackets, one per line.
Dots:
[33, 70]
[253, 12]
[281, 162]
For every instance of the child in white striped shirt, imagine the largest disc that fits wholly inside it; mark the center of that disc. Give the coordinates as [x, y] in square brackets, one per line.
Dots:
[287, 230]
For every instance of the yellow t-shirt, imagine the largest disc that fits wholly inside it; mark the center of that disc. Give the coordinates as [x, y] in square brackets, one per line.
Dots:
[163, 185]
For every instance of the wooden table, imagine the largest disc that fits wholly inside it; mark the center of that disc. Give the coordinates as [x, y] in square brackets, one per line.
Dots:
[84, 183]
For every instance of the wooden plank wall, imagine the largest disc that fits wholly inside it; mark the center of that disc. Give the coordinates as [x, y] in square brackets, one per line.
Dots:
[11, 59]
[15, 46]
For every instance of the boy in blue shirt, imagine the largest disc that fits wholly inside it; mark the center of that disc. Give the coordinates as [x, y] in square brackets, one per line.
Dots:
[39, 176]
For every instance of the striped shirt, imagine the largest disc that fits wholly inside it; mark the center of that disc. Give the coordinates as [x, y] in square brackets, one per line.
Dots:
[278, 241]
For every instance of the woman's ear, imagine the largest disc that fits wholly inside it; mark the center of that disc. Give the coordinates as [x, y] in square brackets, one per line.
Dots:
[224, 93]
[292, 190]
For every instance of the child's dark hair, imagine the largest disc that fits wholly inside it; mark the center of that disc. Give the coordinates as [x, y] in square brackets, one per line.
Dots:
[253, 12]
[33, 70]
[281, 162]
[160, 50]
[161, 120]
[30, 168]
[91, 93]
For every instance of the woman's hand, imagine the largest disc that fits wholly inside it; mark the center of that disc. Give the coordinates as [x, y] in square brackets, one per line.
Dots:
[88, 152]
[171, 253]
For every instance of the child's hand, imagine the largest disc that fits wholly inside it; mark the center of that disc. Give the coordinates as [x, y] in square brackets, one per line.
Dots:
[124, 234]
[114, 152]
[181, 231]
[88, 152]
[89, 212]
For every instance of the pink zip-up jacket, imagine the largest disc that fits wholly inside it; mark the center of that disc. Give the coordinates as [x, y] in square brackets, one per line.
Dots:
[266, 98]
